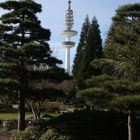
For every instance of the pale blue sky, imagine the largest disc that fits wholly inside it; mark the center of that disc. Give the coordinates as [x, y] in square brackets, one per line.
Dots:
[52, 17]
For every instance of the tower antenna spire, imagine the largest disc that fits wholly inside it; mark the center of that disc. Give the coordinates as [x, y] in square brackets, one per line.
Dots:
[69, 17]
[69, 4]
[68, 33]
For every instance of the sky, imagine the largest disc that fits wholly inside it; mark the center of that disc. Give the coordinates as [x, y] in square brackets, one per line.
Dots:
[52, 17]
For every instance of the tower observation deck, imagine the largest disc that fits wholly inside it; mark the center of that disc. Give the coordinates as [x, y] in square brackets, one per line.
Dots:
[68, 33]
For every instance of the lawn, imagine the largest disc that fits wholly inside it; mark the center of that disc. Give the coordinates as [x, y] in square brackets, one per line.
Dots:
[10, 116]
[14, 116]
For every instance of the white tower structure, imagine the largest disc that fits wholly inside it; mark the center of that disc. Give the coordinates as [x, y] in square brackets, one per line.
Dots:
[68, 33]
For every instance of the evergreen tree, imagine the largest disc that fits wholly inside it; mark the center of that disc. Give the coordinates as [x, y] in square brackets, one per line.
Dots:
[124, 36]
[25, 55]
[93, 50]
[123, 43]
[81, 47]
[108, 93]
[119, 88]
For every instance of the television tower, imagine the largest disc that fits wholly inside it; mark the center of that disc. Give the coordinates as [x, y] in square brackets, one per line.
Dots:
[68, 33]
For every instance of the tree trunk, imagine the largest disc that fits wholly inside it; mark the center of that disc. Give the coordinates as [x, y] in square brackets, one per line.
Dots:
[21, 96]
[35, 110]
[21, 115]
[130, 126]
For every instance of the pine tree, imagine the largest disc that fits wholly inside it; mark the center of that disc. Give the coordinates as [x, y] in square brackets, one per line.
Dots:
[25, 55]
[108, 93]
[119, 88]
[123, 41]
[93, 50]
[81, 47]
[124, 36]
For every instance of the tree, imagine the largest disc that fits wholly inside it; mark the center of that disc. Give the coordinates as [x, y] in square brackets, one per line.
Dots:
[25, 55]
[119, 88]
[39, 95]
[108, 93]
[93, 50]
[123, 37]
[81, 47]
[105, 92]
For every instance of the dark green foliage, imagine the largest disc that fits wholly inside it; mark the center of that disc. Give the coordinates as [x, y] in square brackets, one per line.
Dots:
[92, 50]
[18, 21]
[22, 23]
[30, 133]
[88, 125]
[81, 47]
[81, 125]
[94, 41]
[25, 56]
[125, 28]
[122, 60]
[123, 43]
[105, 92]
[119, 88]
[51, 134]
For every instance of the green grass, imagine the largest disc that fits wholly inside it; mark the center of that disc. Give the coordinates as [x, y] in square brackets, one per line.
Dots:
[6, 116]
[14, 116]
[11, 116]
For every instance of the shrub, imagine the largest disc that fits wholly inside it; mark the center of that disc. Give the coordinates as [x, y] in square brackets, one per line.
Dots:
[30, 133]
[9, 124]
[87, 125]
[51, 134]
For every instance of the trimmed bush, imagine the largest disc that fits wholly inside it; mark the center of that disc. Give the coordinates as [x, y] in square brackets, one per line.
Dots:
[30, 133]
[51, 134]
[87, 125]
[80, 125]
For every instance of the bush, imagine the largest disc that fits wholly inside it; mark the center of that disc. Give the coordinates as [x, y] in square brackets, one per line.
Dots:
[51, 134]
[30, 133]
[80, 125]
[9, 124]
[87, 125]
